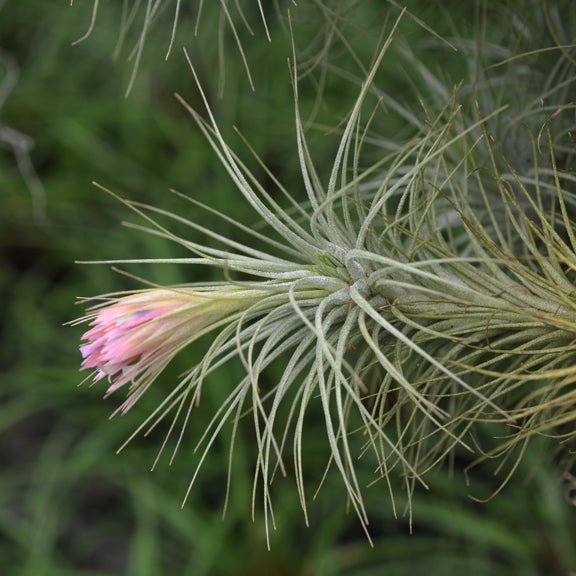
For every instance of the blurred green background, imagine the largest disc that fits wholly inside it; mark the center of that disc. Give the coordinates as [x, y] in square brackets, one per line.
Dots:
[68, 504]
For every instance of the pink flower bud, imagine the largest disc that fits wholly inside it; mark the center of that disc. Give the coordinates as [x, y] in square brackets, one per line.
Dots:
[132, 338]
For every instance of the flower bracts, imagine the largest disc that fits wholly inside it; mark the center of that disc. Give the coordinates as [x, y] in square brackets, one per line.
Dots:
[133, 337]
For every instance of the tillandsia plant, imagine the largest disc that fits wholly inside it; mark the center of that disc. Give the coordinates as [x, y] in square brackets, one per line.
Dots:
[142, 16]
[239, 21]
[421, 301]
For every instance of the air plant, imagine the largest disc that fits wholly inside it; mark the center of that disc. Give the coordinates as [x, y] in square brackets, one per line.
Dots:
[142, 16]
[416, 300]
